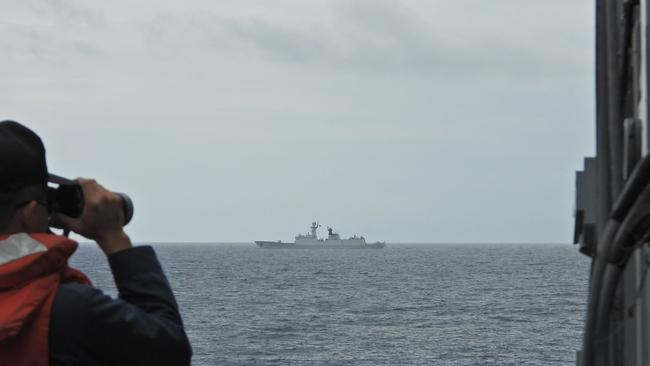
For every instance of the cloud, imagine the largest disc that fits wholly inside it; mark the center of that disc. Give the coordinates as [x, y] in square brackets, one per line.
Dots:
[277, 41]
[379, 36]
[385, 37]
[86, 48]
[52, 30]
[71, 13]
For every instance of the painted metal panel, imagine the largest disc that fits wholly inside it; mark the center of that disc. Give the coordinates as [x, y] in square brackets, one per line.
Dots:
[632, 309]
[644, 82]
[644, 305]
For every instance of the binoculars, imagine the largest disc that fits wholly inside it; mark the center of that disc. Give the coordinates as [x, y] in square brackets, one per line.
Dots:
[68, 199]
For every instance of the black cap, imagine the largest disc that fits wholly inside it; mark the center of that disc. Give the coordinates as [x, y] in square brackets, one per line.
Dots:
[22, 158]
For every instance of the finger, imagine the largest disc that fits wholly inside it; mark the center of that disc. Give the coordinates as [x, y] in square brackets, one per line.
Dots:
[86, 185]
[81, 180]
[90, 188]
[65, 222]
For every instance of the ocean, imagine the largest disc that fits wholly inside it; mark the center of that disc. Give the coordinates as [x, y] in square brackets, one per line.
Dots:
[420, 304]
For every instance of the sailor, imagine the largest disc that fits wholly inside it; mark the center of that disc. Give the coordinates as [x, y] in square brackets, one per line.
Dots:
[49, 312]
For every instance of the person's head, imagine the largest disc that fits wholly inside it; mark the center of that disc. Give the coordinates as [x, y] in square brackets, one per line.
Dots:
[23, 180]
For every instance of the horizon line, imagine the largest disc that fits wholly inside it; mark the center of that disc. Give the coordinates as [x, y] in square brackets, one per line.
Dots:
[388, 243]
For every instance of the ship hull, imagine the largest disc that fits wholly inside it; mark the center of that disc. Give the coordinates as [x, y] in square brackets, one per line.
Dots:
[281, 245]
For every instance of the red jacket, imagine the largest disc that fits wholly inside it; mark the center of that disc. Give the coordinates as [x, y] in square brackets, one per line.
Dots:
[31, 269]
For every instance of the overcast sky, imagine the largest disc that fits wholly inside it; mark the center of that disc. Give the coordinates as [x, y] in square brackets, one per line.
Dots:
[401, 120]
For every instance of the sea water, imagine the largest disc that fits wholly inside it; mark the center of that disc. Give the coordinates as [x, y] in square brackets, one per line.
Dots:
[403, 305]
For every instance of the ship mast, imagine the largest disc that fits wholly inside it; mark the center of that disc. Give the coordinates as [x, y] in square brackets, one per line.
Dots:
[314, 225]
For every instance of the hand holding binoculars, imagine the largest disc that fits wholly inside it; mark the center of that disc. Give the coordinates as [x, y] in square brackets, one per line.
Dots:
[68, 199]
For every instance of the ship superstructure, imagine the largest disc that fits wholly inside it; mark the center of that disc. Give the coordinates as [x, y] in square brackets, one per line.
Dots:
[612, 216]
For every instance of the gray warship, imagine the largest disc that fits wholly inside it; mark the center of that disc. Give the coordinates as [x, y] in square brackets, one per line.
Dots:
[311, 241]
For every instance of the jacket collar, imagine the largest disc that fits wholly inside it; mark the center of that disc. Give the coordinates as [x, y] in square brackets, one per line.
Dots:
[18, 246]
